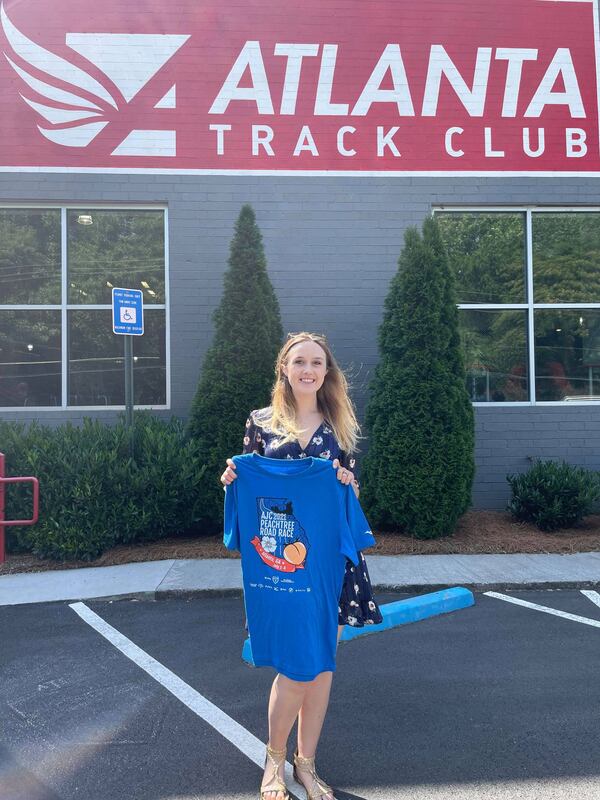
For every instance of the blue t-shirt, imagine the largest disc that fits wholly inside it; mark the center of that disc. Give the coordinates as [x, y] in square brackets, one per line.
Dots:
[294, 524]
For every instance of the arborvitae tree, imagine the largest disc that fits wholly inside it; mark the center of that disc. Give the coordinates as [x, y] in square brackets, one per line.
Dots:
[237, 373]
[418, 472]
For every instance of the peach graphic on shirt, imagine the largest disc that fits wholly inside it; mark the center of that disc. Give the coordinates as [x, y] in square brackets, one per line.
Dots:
[295, 553]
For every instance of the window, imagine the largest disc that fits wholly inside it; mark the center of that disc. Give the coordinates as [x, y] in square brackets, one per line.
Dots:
[30, 358]
[57, 269]
[528, 283]
[495, 349]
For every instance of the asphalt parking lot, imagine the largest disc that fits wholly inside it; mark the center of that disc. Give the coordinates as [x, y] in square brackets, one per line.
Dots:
[494, 701]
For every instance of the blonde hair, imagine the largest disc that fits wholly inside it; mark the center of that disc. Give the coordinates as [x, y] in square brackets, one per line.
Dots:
[332, 399]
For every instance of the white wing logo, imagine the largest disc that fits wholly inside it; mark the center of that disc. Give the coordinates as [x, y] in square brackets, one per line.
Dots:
[129, 60]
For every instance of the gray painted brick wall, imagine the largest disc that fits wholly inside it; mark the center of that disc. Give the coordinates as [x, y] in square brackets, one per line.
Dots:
[332, 246]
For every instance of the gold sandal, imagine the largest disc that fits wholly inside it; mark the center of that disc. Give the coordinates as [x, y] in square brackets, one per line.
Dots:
[277, 757]
[318, 788]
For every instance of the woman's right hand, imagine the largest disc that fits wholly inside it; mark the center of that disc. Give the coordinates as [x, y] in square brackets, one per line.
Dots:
[229, 475]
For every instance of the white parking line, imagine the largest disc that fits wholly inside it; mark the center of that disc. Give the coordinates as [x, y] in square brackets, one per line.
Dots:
[575, 617]
[245, 741]
[591, 595]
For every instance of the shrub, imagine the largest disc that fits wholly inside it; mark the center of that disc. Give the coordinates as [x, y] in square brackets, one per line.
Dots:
[92, 495]
[553, 495]
[418, 472]
[237, 373]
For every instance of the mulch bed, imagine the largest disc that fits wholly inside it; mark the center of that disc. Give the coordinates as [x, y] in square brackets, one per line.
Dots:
[477, 532]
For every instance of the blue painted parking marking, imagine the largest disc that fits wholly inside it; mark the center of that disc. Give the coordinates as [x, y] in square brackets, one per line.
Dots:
[414, 609]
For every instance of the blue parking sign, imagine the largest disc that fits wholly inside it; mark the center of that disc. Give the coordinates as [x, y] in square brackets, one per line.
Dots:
[128, 312]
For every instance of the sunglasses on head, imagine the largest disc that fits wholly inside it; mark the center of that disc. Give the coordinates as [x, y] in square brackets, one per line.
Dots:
[320, 336]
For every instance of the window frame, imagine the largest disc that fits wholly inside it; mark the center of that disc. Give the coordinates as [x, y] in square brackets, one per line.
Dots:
[529, 306]
[64, 307]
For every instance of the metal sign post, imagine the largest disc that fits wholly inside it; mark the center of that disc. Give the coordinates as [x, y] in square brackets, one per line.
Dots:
[128, 321]
[128, 381]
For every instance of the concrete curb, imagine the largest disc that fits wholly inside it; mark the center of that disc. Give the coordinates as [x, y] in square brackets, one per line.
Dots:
[413, 588]
[189, 578]
[190, 594]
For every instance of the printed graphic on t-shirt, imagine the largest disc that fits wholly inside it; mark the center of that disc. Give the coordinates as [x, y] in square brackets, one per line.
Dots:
[281, 541]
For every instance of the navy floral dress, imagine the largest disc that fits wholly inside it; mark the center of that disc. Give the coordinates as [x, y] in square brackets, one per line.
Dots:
[357, 606]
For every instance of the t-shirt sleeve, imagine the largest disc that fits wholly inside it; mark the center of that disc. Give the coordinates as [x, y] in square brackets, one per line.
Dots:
[231, 532]
[356, 532]
[253, 440]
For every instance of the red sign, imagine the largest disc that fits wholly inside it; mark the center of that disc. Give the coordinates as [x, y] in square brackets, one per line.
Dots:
[329, 86]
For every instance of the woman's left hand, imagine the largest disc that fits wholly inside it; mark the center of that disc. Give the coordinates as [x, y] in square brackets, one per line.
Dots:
[344, 475]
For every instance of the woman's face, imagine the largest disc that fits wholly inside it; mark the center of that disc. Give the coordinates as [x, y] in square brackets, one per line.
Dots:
[305, 367]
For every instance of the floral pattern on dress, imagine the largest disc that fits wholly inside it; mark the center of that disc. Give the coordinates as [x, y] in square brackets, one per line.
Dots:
[357, 606]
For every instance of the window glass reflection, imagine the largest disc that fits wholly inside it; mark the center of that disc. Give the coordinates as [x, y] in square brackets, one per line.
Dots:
[566, 257]
[125, 249]
[495, 352]
[149, 361]
[486, 252]
[96, 368]
[567, 354]
[30, 358]
[29, 256]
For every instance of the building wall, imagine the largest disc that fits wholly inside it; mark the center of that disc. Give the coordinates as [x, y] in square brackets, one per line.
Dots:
[332, 246]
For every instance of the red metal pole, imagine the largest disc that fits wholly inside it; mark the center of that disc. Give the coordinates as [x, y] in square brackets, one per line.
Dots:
[5, 522]
[2, 557]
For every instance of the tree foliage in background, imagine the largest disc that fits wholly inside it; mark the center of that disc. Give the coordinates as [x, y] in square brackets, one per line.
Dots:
[120, 248]
[237, 373]
[30, 256]
[418, 472]
[487, 256]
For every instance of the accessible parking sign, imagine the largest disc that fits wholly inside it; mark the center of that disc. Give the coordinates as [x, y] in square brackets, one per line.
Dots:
[128, 312]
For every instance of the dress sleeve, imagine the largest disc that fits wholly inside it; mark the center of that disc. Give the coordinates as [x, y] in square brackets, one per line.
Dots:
[348, 461]
[253, 440]
[231, 531]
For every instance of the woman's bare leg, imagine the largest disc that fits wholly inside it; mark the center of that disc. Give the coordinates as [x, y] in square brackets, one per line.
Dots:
[285, 701]
[288, 701]
[312, 713]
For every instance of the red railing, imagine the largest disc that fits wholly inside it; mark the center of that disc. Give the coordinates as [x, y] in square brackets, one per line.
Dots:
[5, 522]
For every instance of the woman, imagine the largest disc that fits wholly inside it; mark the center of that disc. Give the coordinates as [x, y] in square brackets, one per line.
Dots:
[310, 415]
